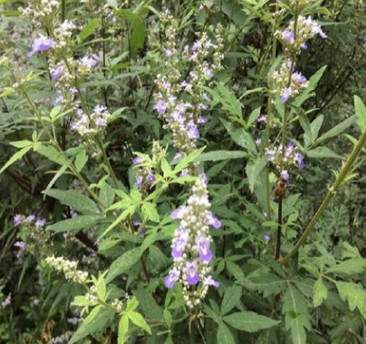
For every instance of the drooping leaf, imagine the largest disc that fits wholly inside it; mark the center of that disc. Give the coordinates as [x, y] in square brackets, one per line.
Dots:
[249, 321]
[322, 152]
[74, 199]
[139, 321]
[17, 156]
[338, 129]
[75, 224]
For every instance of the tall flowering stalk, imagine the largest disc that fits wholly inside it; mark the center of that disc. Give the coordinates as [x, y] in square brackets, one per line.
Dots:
[190, 248]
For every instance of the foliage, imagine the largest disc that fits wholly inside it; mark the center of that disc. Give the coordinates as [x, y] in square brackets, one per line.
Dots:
[174, 167]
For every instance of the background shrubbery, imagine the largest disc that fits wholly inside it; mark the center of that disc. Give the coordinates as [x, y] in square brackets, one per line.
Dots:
[93, 165]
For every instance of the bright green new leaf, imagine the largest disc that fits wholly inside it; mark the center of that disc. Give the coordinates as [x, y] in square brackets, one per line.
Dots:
[123, 329]
[360, 110]
[97, 319]
[139, 321]
[320, 293]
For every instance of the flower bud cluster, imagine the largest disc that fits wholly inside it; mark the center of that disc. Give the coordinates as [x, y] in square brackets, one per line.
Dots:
[288, 82]
[191, 250]
[68, 268]
[64, 338]
[41, 11]
[90, 126]
[117, 304]
[306, 28]
[180, 98]
[5, 303]
[281, 161]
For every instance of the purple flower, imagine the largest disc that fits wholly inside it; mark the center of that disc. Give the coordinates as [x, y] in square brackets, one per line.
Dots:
[172, 277]
[261, 119]
[213, 221]
[89, 61]
[180, 243]
[177, 213]
[299, 158]
[40, 222]
[285, 175]
[192, 273]
[160, 106]
[100, 122]
[56, 73]
[267, 237]
[207, 71]
[193, 132]
[137, 160]
[21, 244]
[285, 94]
[298, 77]
[210, 281]
[177, 157]
[150, 178]
[288, 35]
[138, 182]
[184, 173]
[203, 176]
[168, 53]
[203, 248]
[42, 43]
[30, 218]
[17, 220]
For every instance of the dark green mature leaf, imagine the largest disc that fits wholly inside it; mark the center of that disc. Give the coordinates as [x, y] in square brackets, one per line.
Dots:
[360, 113]
[267, 283]
[123, 263]
[240, 136]
[18, 155]
[231, 298]
[75, 224]
[221, 155]
[297, 316]
[249, 321]
[322, 152]
[97, 319]
[74, 199]
[224, 335]
[52, 154]
[338, 129]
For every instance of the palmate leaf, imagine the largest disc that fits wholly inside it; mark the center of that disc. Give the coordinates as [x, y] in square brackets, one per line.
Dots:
[296, 312]
[231, 299]
[354, 294]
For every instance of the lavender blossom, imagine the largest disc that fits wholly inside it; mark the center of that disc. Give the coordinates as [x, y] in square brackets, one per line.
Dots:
[43, 43]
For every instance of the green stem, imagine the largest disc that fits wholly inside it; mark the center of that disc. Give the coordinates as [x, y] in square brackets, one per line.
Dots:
[329, 196]
[105, 157]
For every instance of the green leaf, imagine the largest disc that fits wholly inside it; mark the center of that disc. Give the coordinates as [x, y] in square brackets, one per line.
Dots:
[123, 263]
[240, 136]
[335, 131]
[75, 224]
[80, 160]
[297, 316]
[183, 163]
[320, 293]
[18, 155]
[253, 170]
[249, 321]
[322, 152]
[315, 126]
[235, 270]
[123, 329]
[89, 29]
[107, 195]
[231, 298]
[132, 304]
[101, 288]
[74, 199]
[313, 82]
[139, 321]
[221, 155]
[360, 110]
[96, 321]
[149, 211]
[21, 144]
[51, 153]
[349, 267]
[354, 294]
[224, 335]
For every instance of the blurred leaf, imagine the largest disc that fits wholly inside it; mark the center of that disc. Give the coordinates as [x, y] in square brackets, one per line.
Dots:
[224, 335]
[338, 129]
[354, 293]
[360, 113]
[253, 170]
[322, 152]
[231, 298]
[320, 293]
[221, 155]
[18, 155]
[75, 224]
[89, 28]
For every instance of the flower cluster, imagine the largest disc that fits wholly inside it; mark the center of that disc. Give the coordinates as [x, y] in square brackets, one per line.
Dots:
[306, 28]
[40, 44]
[64, 338]
[288, 82]
[89, 126]
[68, 268]
[5, 303]
[41, 10]
[291, 156]
[180, 99]
[191, 250]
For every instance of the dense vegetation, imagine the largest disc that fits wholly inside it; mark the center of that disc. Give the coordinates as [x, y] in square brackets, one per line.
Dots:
[182, 171]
